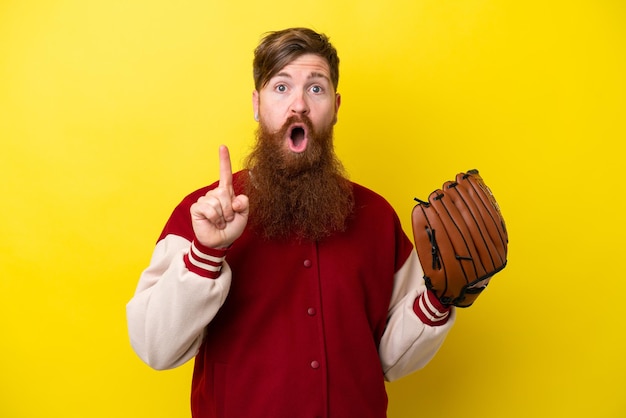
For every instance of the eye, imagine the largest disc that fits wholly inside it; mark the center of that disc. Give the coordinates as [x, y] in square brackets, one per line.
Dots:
[281, 88]
[317, 89]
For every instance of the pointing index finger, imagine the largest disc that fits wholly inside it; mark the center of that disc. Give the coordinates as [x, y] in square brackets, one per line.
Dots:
[226, 171]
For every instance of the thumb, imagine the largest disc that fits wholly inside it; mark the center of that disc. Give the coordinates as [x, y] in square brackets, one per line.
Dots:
[240, 204]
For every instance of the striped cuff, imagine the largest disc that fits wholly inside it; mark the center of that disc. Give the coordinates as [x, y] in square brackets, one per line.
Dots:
[430, 310]
[205, 261]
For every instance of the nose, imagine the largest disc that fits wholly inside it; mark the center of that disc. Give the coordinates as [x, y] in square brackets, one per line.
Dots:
[299, 104]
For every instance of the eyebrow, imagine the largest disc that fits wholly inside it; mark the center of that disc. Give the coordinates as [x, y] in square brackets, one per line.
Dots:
[314, 74]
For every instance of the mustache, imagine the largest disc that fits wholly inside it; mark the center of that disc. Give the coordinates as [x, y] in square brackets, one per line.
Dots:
[298, 118]
[303, 119]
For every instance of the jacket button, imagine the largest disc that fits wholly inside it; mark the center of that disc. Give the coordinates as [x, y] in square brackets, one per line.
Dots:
[311, 311]
[307, 263]
[315, 364]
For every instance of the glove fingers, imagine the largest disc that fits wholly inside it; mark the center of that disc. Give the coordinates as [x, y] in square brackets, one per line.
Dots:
[431, 242]
[460, 235]
[480, 224]
[474, 185]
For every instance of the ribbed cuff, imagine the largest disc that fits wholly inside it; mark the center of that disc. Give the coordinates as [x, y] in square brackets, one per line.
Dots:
[430, 310]
[205, 261]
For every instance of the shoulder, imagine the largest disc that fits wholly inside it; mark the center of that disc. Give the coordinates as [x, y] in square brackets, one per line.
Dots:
[365, 198]
[374, 216]
[369, 205]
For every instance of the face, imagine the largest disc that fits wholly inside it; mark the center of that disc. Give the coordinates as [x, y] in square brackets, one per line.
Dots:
[301, 90]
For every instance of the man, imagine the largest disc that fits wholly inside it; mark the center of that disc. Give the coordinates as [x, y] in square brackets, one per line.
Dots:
[296, 290]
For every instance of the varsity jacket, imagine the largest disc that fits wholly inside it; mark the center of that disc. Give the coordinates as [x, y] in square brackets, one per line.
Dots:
[285, 329]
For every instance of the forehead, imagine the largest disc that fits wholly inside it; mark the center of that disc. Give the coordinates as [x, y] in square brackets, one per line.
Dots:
[308, 65]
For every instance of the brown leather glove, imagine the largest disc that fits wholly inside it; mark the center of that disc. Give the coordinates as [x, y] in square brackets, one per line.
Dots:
[460, 238]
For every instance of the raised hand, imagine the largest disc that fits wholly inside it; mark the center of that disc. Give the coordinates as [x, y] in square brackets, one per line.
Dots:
[219, 217]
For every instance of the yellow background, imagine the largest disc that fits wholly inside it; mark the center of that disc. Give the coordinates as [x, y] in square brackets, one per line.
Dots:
[111, 111]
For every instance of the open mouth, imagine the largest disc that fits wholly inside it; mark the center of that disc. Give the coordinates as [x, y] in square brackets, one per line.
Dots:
[297, 139]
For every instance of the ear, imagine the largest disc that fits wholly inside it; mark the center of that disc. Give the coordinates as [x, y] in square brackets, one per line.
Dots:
[337, 104]
[255, 104]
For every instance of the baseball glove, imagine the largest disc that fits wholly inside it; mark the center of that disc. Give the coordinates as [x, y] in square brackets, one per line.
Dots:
[460, 238]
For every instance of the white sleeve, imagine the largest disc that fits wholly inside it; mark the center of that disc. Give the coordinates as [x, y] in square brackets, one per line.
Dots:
[409, 342]
[172, 305]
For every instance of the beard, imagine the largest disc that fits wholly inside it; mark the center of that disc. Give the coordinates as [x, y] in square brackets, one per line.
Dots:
[303, 195]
